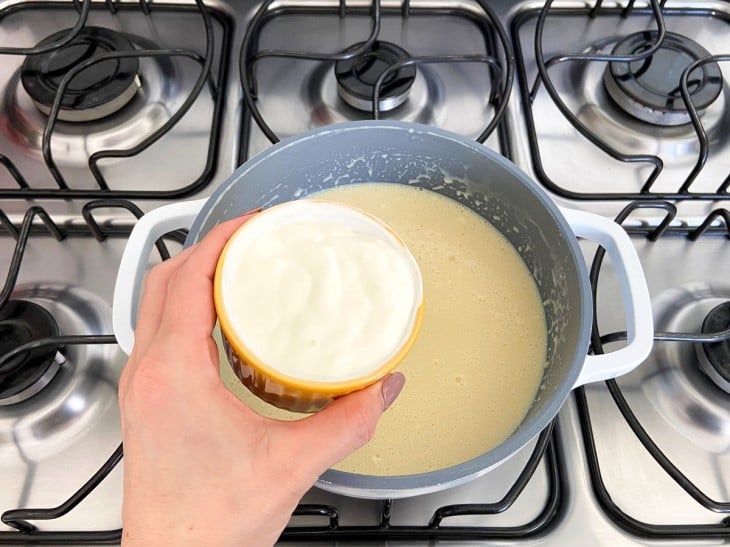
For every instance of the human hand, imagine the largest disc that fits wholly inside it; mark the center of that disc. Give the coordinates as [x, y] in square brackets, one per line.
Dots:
[200, 467]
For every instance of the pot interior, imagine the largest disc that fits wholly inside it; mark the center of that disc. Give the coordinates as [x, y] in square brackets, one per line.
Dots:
[462, 170]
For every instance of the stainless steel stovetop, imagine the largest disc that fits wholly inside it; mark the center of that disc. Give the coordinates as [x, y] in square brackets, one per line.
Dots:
[594, 481]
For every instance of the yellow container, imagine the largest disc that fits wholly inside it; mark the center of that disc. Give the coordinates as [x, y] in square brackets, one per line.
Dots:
[280, 388]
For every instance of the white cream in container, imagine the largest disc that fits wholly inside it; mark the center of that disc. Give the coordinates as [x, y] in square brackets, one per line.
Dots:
[318, 292]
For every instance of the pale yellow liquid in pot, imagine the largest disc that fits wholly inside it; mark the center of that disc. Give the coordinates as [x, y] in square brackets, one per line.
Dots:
[476, 366]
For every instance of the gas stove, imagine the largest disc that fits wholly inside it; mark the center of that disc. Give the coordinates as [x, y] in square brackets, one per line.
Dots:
[109, 109]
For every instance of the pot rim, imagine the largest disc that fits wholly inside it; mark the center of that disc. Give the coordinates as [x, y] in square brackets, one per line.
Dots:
[371, 486]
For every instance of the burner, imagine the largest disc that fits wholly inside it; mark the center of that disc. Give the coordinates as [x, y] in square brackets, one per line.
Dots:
[673, 380]
[356, 77]
[649, 89]
[97, 91]
[714, 358]
[25, 375]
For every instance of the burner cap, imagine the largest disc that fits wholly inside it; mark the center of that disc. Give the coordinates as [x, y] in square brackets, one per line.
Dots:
[714, 357]
[650, 89]
[356, 77]
[25, 375]
[95, 92]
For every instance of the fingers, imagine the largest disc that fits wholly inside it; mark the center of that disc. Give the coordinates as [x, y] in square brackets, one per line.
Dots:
[346, 424]
[188, 314]
[153, 298]
[162, 287]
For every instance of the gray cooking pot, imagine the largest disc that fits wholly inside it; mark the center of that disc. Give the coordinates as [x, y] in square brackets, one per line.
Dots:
[463, 170]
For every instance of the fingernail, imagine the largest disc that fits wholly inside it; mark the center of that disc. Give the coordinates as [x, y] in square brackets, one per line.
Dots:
[392, 386]
[252, 211]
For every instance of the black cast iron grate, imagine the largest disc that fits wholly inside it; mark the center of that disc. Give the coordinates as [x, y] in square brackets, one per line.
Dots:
[498, 58]
[65, 190]
[658, 12]
[21, 518]
[547, 450]
[721, 529]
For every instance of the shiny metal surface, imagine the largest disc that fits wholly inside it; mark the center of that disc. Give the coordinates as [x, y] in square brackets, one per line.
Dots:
[687, 416]
[581, 86]
[53, 442]
[166, 84]
[450, 96]
[685, 413]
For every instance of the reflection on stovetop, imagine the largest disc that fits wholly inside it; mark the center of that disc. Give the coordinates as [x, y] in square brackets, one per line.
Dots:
[305, 67]
[91, 99]
[60, 368]
[658, 439]
[627, 124]
[525, 499]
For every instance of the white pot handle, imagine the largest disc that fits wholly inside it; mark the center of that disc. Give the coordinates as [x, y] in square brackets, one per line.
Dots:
[133, 266]
[634, 293]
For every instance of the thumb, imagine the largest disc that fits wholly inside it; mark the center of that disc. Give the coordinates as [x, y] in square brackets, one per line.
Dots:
[347, 423]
